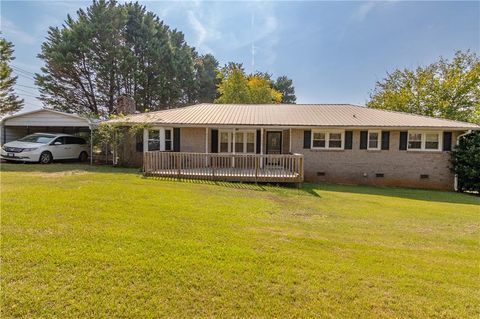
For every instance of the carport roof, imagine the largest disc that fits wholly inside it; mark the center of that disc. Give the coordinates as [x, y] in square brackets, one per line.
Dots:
[46, 117]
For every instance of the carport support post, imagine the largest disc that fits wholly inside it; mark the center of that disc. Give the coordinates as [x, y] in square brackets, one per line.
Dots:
[91, 146]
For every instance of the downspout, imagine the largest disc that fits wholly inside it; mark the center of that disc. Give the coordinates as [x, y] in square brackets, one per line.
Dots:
[455, 179]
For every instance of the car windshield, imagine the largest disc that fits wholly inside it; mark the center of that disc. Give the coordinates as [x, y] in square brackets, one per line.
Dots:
[38, 138]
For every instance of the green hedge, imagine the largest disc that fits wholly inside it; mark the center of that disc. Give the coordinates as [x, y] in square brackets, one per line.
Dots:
[466, 162]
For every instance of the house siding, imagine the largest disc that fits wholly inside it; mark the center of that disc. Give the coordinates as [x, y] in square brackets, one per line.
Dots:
[192, 139]
[360, 166]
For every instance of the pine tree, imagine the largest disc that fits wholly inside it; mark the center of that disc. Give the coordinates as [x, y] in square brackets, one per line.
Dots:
[285, 85]
[9, 101]
[206, 67]
[111, 50]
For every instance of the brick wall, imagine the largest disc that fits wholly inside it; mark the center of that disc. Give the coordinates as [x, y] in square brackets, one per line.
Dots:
[356, 166]
[127, 151]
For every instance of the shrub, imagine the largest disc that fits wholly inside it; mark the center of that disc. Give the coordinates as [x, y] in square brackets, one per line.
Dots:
[466, 162]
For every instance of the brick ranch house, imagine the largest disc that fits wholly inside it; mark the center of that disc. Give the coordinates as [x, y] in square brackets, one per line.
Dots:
[339, 143]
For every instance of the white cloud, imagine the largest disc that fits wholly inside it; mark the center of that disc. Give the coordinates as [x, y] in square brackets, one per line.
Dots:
[366, 7]
[203, 32]
[14, 33]
[363, 10]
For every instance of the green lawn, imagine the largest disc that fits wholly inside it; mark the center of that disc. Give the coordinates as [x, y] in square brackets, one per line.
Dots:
[82, 242]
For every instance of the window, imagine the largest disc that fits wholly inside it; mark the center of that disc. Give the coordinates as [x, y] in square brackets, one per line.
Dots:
[224, 138]
[160, 139]
[415, 141]
[168, 139]
[327, 139]
[426, 141]
[250, 142]
[75, 140]
[60, 141]
[335, 140]
[244, 142]
[38, 138]
[153, 140]
[319, 139]
[374, 140]
[431, 141]
[70, 140]
[239, 142]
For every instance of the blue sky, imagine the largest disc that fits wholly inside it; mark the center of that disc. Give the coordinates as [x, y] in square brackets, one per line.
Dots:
[333, 51]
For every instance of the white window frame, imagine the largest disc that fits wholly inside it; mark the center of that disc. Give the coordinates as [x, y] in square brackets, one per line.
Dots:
[161, 130]
[379, 145]
[231, 145]
[229, 140]
[327, 139]
[424, 140]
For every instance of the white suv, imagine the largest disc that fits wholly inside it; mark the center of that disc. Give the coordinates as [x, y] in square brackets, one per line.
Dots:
[45, 147]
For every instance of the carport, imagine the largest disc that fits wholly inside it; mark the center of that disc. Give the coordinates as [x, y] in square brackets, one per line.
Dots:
[44, 121]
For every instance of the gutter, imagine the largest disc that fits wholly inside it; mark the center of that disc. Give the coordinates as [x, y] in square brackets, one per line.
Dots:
[455, 179]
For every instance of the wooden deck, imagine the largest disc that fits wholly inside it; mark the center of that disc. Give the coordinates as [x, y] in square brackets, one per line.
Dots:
[284, 168]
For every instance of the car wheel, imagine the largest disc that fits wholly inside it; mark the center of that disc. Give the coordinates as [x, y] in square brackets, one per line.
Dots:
[46, 158]
[83, 157]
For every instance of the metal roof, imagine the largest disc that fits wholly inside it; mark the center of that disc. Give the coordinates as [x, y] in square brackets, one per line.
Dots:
[289, 115]
[45, 117]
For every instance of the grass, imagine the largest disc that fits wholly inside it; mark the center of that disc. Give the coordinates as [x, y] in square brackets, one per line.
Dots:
[90, 242]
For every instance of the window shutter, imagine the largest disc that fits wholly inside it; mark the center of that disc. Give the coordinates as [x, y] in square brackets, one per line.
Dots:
[176, 139]
[363, 140]
[348, 140]
[403, 141]
[214, 141]
[385, 140]
[447, 141]
[307, 139]
[259, 141]
[139, 141]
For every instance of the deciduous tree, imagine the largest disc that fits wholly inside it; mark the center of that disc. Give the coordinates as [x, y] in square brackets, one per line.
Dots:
[446, 89]
[237, 87]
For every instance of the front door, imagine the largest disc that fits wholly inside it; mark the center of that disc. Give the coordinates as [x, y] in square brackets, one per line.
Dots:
[274, 142]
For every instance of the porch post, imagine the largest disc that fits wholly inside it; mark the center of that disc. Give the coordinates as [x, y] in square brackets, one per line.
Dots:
[206, 147]
[261, 146]
[233, 147]
[206, 140]
[290, 141]
[162, 138]
[145, 140]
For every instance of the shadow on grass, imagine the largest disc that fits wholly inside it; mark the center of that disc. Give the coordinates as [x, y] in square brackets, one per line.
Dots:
[408, 193]
[239, 185]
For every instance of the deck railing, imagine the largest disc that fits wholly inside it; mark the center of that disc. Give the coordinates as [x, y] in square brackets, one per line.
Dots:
[286, 168]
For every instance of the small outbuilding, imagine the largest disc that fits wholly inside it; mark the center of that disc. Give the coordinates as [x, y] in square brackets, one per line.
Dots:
[43, 121]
